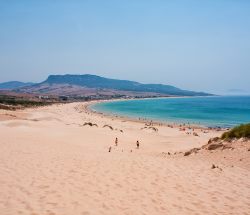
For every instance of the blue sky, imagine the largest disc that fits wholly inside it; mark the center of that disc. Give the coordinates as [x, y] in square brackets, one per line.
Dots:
[193, 44]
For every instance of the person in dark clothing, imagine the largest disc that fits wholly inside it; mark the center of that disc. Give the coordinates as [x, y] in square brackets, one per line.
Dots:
[137, 144]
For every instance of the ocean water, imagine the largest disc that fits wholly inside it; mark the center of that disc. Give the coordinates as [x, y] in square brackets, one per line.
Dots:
[222, 111]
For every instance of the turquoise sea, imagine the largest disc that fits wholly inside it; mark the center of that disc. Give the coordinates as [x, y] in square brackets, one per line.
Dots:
[222, 111]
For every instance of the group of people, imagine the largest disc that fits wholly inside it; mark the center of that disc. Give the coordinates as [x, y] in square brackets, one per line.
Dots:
[116, 144]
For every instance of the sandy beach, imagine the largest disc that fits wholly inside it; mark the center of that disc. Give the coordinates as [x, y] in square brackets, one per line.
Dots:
[53, 164]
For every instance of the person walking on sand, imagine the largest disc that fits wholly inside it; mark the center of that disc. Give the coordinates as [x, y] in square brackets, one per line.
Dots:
[116, 141]
[137, 144]
[110, 149]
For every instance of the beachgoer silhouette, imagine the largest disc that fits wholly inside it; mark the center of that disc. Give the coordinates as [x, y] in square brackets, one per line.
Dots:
[110, 149]
[116, 141]
[137, 144]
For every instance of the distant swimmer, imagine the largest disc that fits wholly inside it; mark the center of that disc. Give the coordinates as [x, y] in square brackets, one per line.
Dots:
[110, 149]
[116, 141]
[137, 144]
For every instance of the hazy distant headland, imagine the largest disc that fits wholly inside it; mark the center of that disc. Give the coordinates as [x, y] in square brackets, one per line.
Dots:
[95, 87]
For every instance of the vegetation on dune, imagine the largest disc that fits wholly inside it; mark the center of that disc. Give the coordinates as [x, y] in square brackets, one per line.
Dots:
[24, 102]
[237, 132]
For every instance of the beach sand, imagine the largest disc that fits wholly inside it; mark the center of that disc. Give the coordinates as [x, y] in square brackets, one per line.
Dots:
[50, 164]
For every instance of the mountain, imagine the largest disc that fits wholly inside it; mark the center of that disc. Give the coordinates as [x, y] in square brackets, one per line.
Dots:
[13, 85]
[97, 82]
[95, 86]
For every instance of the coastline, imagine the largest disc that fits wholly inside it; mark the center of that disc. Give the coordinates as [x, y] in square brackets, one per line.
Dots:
[152, 121]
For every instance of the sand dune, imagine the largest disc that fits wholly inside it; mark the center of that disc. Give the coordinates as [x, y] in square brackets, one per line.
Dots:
[55, 165]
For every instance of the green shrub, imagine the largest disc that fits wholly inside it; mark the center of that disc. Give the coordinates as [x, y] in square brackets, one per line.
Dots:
[24, 102]
[237, 132]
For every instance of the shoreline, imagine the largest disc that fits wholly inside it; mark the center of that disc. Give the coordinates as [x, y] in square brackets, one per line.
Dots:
[151, 121]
